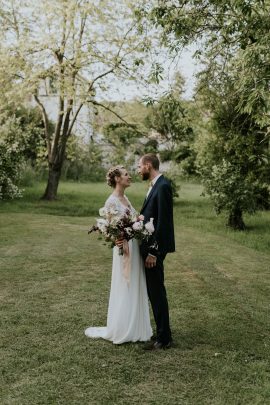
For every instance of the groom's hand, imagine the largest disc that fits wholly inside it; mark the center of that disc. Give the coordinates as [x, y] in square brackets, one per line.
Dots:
[150, 261]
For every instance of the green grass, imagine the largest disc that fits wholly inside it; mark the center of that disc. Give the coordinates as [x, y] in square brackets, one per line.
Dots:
[55, 282]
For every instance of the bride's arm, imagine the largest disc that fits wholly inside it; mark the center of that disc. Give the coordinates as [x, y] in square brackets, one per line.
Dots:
[113, 204]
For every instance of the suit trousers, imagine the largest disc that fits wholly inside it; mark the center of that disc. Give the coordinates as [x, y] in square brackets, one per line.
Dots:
[158, 299]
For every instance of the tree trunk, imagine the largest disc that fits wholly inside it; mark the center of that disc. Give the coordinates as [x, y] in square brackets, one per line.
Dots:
[52, 184]
[235, 220]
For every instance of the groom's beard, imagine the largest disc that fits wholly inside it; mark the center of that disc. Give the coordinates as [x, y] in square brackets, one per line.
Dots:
[145, 176]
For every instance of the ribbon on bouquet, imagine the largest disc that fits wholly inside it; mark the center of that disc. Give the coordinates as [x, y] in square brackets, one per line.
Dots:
[126, 261]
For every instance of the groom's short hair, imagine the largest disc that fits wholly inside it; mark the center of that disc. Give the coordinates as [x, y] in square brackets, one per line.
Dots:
[151, 158]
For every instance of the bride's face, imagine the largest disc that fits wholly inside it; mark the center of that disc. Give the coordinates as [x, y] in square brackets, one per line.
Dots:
[124, 180]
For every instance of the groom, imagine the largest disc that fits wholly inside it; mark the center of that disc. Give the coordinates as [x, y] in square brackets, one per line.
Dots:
[158, 204]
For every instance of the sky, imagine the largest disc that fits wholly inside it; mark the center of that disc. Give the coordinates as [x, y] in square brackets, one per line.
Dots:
[185, 64]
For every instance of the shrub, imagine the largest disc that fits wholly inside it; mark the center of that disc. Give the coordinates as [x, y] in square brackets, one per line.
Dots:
[10, 160]
[232, 192]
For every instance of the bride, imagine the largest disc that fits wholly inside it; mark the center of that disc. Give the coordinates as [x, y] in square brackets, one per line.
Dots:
[128, 317]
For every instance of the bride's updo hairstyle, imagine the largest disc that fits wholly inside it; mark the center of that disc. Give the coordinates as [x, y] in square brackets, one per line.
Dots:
[112, 173]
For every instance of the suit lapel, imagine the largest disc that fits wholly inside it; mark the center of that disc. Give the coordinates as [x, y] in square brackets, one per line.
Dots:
[151, 193]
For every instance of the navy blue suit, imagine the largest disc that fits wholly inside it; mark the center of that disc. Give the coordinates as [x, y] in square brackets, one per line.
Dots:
[159, 205]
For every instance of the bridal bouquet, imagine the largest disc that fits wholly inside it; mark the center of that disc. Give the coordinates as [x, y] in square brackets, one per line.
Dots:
[112, 226]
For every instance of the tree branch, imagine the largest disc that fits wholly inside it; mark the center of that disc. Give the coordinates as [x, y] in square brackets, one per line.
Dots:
[74, 119]
[46, 124]
[109, 109]
[99, 77]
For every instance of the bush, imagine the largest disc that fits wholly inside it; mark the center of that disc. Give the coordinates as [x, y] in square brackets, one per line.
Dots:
[30, 174]
[83, 171]
[184, 155]
[83, 161]
[10, 160]
[9, 173]
[229, 190]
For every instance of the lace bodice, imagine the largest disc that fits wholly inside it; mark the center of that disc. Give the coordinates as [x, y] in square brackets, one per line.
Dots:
[115, 203]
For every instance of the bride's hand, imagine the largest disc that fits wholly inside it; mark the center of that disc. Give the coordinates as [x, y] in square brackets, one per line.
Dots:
[119, 243]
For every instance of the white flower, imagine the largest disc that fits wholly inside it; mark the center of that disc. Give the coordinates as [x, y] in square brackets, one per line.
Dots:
[129, 231]
[102, 212]
[138, 226]
[141, 217]
[114, 221]
[102, 224]
[150, 226]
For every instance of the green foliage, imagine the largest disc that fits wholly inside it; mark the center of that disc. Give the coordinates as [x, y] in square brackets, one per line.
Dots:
[11, 158]
[234, 159]
[230, 190]
[184, 155]
[168, 117]
[23, 148]
[83, 161]
[150, 146]
[124, 143]
[29, 174]
[234, 37]
[237, 31]
[32, 135]
[68, 50]
[120, 134]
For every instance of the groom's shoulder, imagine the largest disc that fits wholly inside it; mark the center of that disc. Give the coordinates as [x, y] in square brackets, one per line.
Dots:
[164, 182]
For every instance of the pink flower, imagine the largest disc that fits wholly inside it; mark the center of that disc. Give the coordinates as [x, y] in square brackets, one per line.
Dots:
[150, 226]
[138, 226]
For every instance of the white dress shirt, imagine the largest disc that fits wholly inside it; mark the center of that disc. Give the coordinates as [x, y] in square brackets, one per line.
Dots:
[152, 183]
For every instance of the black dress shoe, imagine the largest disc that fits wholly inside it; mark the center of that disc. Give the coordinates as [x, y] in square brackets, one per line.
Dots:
[157, 345]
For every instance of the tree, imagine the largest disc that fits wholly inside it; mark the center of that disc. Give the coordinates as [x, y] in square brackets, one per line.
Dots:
[170, 119]
[234, 47]
[123, 141]
[231, 157]
[227, 31]
[70, 49]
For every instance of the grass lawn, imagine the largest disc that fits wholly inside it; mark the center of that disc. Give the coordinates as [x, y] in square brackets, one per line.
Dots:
[55, 281]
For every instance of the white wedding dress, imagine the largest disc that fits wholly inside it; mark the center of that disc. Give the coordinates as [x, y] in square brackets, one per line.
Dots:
[128, 317]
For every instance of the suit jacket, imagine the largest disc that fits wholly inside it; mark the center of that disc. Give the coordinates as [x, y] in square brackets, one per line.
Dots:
[159, 205]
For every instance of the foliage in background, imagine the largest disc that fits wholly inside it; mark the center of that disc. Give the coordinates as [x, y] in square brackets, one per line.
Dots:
[234, 49]
[22, 145]
[10, 159]
[172, 124]
[234, 160]
[70, 45]
[84, 161]
[124, 143]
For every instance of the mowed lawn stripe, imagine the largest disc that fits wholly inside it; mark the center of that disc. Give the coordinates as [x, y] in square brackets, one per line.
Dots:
[55, 281]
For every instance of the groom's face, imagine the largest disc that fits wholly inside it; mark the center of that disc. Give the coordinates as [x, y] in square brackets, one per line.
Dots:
[144, 170]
